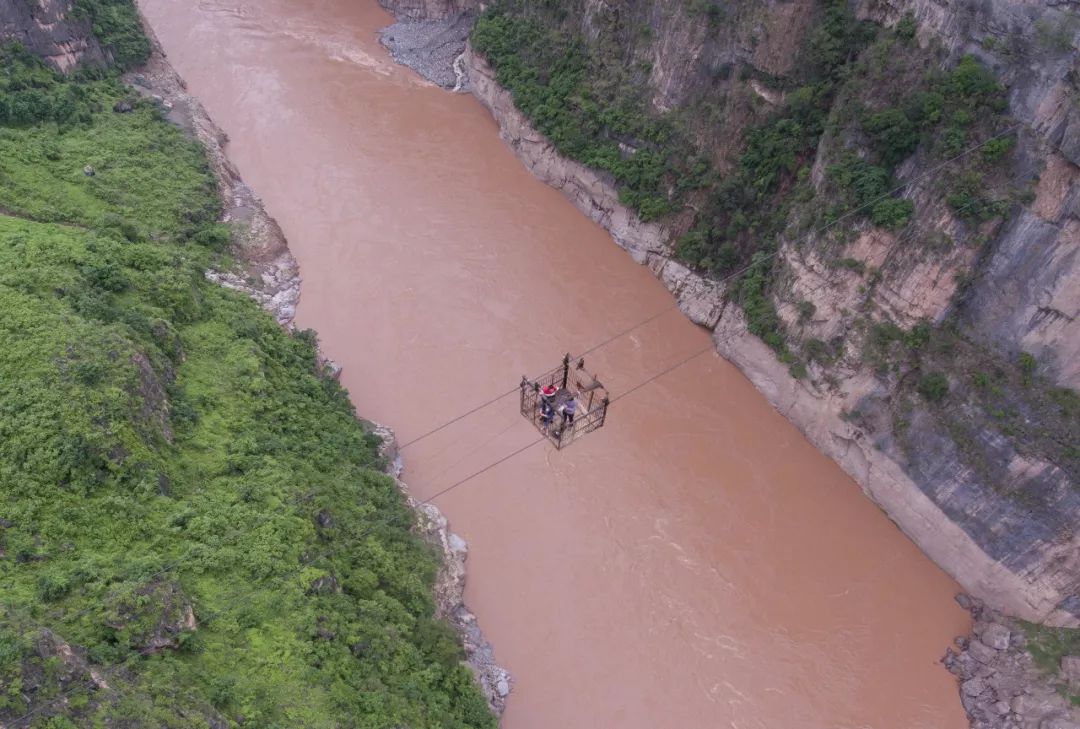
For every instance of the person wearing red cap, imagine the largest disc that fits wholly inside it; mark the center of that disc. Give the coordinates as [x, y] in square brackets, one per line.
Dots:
[547, 410]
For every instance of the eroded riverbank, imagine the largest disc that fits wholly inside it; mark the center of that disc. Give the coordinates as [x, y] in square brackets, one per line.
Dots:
[696, 562]
[269, 274]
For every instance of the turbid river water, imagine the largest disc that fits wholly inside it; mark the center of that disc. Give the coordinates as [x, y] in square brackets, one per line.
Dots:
[694, 564]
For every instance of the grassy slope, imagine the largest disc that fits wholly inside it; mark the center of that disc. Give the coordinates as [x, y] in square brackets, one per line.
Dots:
[165, 445]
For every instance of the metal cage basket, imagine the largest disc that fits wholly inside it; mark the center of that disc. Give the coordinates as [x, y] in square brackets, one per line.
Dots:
[569, 381]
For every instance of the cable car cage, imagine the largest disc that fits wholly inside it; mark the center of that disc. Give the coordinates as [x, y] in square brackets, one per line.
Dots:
[569, 380]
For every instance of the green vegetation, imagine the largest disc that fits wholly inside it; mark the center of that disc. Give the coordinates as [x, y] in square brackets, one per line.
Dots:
[934, 386]
[907, 27]
[1049, 645]
[117, 27]
[984, 392]
[590, 107]
[875, 97]
[1057, 37]
[184, 500]
[30, 94]
[1027, 364]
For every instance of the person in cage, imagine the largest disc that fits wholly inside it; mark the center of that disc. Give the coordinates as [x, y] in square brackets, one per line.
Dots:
[568, 410]
[547, 409]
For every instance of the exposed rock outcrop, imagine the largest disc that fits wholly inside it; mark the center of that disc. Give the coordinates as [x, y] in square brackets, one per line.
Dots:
[46, 29]
[432, 48]
[1027, 297]
[152, 618]
[1000, 685]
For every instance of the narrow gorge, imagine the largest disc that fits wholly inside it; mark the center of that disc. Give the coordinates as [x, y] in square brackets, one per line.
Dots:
[870, 209]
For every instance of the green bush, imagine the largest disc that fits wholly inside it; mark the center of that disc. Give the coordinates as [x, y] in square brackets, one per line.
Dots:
[976, 84]
[933, 386]
[907, 27]
[892, 213]
[919, 335]
[838, 38]
[864, 186]
[1027, 364]
[995, 149]
[31, 93]
[893, 135]
[968, 200]
[818, 351]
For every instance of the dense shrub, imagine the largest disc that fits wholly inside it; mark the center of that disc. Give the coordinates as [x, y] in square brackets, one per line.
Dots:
[838, 39]
[893, 134]
[118, 28]
[892, 213]
[586, 112]
[906, 27]
[934, 386]
[31, 93]
[968, 198]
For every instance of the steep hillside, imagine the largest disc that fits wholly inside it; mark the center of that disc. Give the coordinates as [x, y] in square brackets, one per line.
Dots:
[195, 529]
[874, 207]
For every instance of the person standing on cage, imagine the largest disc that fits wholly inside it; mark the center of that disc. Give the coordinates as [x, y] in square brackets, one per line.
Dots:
[547, 409]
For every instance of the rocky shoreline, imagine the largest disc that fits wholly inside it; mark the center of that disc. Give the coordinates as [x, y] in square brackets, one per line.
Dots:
[432, 48]
[270, 275]
[1000, 685]
[495, 681]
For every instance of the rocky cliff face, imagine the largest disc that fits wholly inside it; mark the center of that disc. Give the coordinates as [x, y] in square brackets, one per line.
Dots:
[1027, 296]
[46, 28]
[987, 483]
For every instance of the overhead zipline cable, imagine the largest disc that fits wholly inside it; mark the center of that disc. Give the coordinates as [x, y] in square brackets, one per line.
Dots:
[744, 269]
[495, 399]
[541, 440]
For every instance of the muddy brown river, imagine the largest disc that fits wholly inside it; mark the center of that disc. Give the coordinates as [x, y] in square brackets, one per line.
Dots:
[696, 563]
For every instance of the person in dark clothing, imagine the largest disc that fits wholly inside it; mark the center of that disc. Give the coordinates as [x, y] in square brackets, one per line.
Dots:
[568, 410]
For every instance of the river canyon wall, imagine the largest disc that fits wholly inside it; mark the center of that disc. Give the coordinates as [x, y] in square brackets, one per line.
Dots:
[985, 482]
